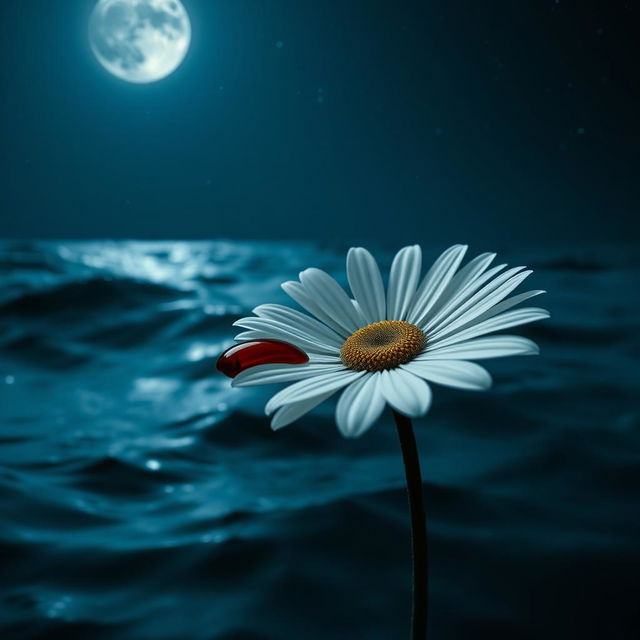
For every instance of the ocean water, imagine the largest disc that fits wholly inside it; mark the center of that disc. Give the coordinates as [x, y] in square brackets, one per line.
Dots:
[143, 498]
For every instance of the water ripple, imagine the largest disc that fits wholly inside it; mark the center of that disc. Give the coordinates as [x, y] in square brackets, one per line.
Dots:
[142, 497]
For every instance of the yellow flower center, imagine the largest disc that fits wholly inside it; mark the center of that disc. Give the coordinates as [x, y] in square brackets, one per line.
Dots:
[382, 345]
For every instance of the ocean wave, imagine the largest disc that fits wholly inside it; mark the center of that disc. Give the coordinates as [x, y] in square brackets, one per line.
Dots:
[142, 497]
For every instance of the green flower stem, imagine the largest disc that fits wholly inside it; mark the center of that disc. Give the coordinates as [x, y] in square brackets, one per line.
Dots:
[419, 547]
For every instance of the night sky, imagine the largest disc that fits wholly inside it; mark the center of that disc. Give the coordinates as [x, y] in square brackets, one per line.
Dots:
[334, 120]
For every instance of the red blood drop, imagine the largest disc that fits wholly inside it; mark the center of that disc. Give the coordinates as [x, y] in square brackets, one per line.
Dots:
[249, 354]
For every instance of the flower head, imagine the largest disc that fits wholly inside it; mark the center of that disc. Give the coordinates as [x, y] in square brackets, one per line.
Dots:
[385, 347]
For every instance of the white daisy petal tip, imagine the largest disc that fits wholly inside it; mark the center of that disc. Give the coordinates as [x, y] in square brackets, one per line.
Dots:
[359, 406]
[291, 412]
[459, 248]
[306, 272]
[486, 383]
[459, 374]
[405, 392]
[289, 285]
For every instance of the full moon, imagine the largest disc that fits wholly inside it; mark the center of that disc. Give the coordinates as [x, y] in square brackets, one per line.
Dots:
[140, 40]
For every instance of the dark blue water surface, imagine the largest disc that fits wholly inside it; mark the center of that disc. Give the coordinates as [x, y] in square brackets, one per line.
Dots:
[143, 498]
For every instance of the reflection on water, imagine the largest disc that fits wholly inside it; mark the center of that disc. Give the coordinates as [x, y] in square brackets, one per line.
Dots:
[142, 497]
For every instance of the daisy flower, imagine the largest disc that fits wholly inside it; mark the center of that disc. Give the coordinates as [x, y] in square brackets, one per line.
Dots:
[382, 346]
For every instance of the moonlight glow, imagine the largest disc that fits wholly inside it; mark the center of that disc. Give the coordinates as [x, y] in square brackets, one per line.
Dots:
[140, 40]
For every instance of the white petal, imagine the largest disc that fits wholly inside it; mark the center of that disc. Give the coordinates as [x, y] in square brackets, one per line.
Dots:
[360, 405]
[451, 373]
[275, 373]
[480, 348]
[502, 321]
[436, 323]
[469, 273]
[366, 284]
[403, 281]
[484, 299]
[296, 291]
[312, 387]
[502, 306]
[279, 331]
[435, 282]
[333, 299]
[472, 270]
[442, 312]
[302, 321]
[291, 412]
[405, 392]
